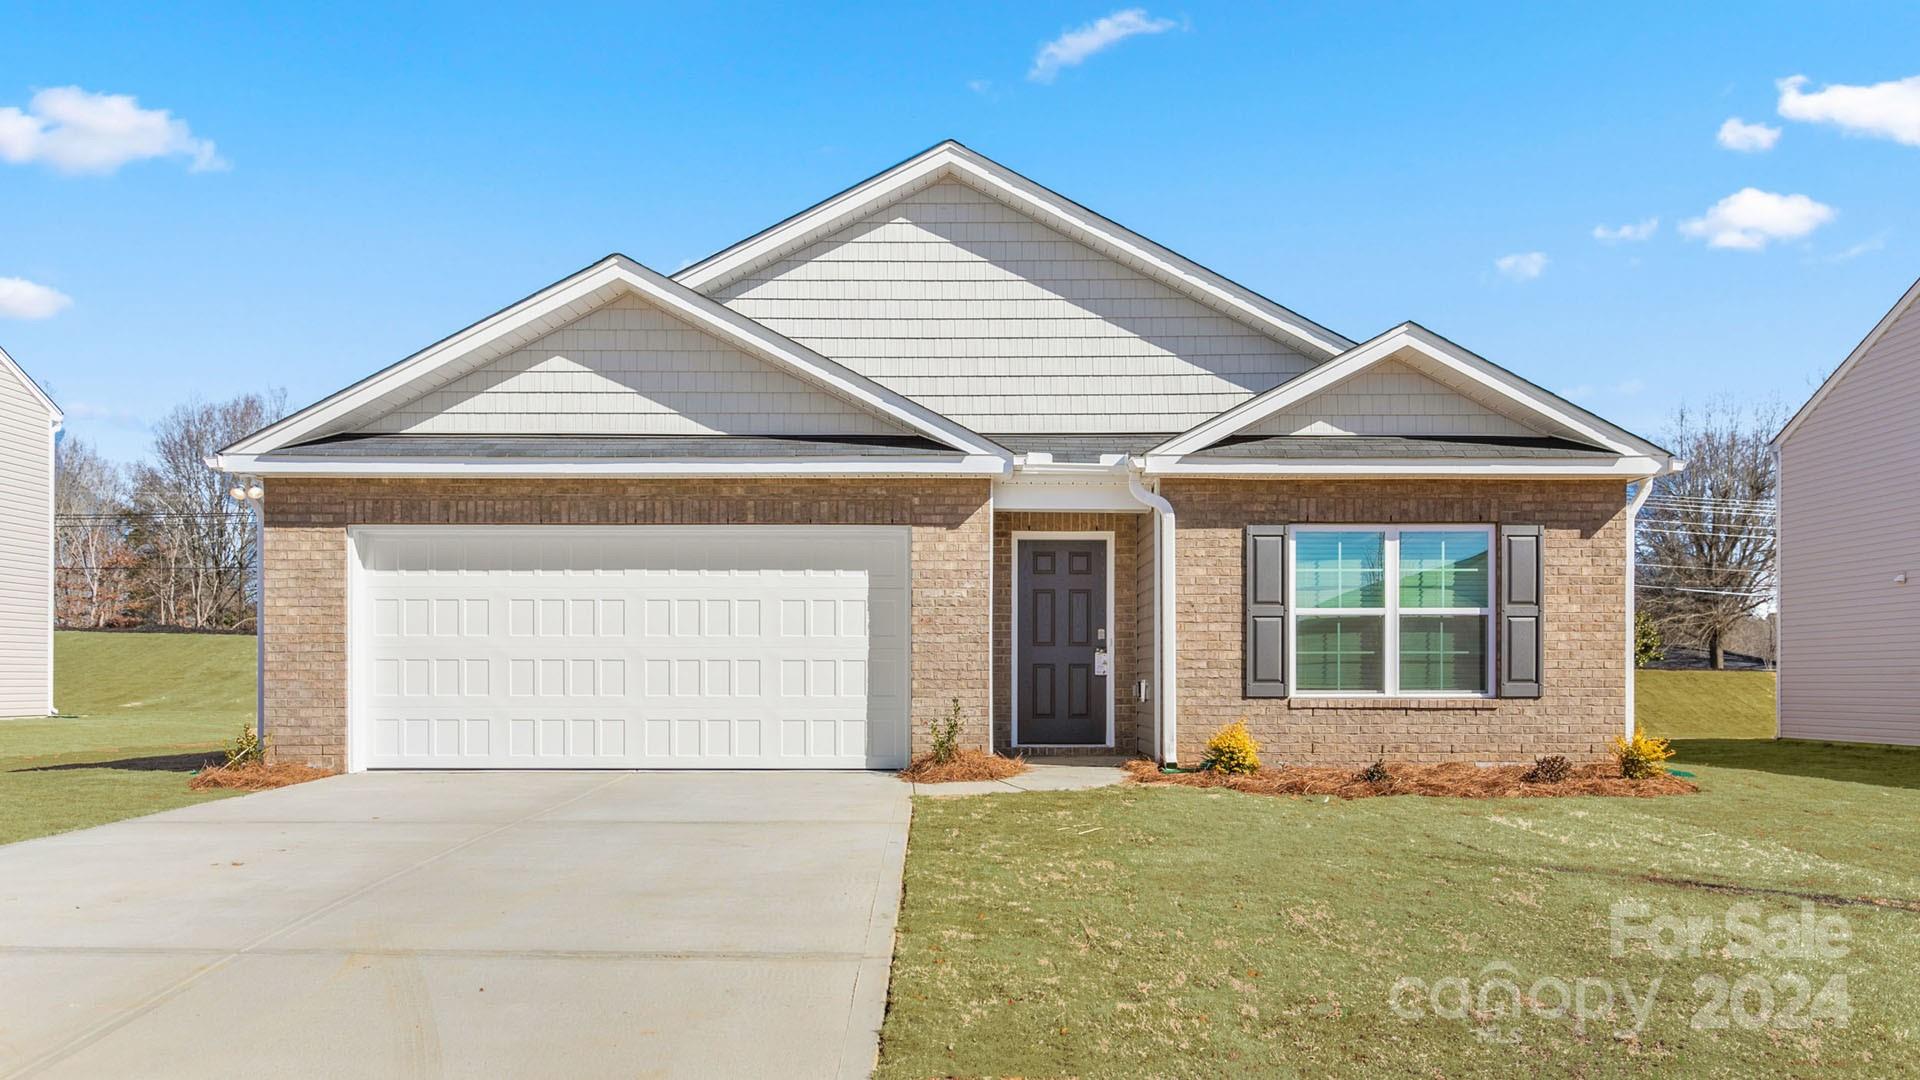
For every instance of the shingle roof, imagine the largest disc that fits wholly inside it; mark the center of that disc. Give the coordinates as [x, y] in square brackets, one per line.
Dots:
[1080, 448]
[612, 447]
[1294, 447]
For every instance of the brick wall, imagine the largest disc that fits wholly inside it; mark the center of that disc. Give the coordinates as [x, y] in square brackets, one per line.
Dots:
[1132, 722]
[1584, 696]
[306, 570]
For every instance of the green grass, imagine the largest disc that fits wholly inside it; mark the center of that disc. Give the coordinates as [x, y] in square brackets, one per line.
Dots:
[1181, 932]
[1706, 704]
[139, 712]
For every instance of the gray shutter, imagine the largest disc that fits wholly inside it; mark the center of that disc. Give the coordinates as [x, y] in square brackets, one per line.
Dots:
[1521, 626]
[1265, 590]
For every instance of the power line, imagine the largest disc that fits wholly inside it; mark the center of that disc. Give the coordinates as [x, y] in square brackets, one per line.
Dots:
[1710, 592]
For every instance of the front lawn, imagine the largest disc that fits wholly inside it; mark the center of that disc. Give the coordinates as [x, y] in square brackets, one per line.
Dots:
[1180, 932]
[139, 713]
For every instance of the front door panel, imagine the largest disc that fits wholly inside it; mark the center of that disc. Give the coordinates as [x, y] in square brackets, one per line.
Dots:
[1062, 652]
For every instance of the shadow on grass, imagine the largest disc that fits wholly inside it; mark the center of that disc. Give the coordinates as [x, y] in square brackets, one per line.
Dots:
[182, 763]
[1881, 766]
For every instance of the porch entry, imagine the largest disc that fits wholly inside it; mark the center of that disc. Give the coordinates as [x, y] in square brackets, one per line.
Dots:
[1063, 658]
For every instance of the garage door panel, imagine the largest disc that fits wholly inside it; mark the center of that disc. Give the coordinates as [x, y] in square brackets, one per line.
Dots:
[632, 647]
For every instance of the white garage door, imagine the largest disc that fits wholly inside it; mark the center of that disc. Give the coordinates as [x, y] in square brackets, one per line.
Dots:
[649, 647]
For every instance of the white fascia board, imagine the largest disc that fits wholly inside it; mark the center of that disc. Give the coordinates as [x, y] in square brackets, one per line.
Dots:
[1866, 345]
[1045, 205]
[1502, 383]
[1625, 468]
[249, 464]
[8, 363]
[676, 299]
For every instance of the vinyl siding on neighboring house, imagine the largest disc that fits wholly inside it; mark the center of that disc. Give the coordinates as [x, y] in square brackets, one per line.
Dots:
[26, 548]
[1004, 324]
[1849, 523]
[629, 369]
[1390, 399]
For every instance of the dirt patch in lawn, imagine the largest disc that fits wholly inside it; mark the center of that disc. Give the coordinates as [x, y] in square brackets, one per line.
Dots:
[255, 777]
[1458, 780]
[965, 765]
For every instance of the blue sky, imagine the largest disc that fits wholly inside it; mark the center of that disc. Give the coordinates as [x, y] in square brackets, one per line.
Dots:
[335, 188]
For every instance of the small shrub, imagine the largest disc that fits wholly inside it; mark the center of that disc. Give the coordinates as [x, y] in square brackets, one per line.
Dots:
[1548, 770]
[1641, 757]
[946, 736]
[1232, 751]
[247, 749]
[1376, 773]
[1648, 646]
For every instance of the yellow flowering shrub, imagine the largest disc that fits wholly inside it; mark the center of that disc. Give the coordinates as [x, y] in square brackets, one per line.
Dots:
[1641, 757]
[1232, 751]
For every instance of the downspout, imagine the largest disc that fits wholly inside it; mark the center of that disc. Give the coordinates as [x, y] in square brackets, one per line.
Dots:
[1165, 645]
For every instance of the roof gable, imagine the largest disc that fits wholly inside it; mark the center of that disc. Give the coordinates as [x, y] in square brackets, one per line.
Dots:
[1906, 305]
[1006, 324]
[1394, 398]
[1434, 357]
[950, 159]
[553, 308]
[629, 368]
[9, 366]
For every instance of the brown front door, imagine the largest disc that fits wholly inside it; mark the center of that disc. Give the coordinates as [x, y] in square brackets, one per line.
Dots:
[1061, 657]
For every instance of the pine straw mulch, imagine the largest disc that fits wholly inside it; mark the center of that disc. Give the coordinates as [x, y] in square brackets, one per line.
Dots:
[966, 765]
[255, 776]
[1458, 780]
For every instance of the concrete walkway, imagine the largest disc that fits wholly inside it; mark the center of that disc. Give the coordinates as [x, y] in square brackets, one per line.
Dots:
[444, 924]
[1055, 774]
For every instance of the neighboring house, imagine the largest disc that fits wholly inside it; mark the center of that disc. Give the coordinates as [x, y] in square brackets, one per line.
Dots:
[945, 437]
[1849, 550]
[29, 422]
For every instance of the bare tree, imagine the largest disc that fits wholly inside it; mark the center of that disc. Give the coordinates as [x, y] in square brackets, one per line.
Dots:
[195, 546]
[1707, 535]
[92, 558]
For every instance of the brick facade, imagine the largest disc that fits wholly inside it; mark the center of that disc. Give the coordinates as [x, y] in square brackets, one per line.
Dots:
[1584, 696]
[1132, 719]
[306, 570]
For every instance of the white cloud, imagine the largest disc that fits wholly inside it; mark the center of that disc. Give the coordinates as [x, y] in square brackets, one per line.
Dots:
[23, 299]
[980, 86]
[1075, 46]
[1864, 247]
[1737, 134]
[1524, 266]
[1888, 110]
[77, 131]
[1749, 219]
[1633, 232]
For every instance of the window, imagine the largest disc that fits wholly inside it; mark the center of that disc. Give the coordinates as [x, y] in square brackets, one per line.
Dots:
[1391, 610]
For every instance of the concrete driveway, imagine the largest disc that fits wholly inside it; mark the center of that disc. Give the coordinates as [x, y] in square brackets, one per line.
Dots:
[463, 924]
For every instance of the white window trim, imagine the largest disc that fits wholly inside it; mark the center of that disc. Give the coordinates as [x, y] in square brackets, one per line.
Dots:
[1391, 612]
[1013, 636]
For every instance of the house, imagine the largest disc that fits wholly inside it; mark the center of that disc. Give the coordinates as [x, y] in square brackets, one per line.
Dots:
[945, 440]
[1849, 545]
[29, 423]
